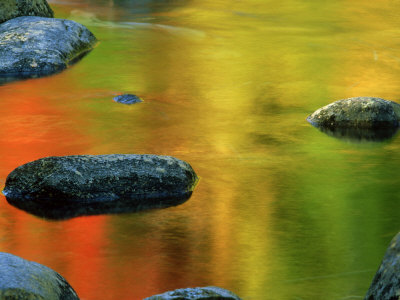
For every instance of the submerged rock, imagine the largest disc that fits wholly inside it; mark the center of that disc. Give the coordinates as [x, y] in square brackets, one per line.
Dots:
[127, 99]
[23, 279]
[36, 46]
[199, 293]
[67, 186]
[10, 9]
[386, 283]
[359, 112]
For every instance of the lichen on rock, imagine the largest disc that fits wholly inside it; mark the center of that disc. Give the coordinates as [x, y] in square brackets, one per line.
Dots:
[36, 46]
[68, 186]
[358, 112]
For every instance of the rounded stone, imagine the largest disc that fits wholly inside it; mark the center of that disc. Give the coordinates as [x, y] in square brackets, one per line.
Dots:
[36, 46]
[127, 99]
[358, 112]
[23, 279]
[10, 9]
[198, 293]
[68, 186]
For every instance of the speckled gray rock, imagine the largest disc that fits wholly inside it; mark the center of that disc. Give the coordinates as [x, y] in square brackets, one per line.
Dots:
[101, 182]
[386, 283]
[10, 9]
[199, 293]
[35, 46]
[23, 279]
[127, 99]
[359, 112]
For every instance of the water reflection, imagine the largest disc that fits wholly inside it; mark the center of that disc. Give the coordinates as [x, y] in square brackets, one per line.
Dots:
[56, 210]
[360, 135]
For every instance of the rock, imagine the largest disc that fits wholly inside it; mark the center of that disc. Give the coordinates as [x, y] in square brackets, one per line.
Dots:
[199, 293]
[92, 184]
[36, 46]
[10, 9]
[359, 112]
[23, 279]
[127, 99]
[386, 283]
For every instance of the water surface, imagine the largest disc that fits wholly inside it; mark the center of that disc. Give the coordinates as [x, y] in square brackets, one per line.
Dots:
[282, 210]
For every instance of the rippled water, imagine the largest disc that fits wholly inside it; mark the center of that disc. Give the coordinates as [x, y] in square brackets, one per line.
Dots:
[282, 210]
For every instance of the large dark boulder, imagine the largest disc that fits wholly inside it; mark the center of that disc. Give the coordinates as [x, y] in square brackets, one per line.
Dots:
[359, 112]
[10, 9]
[23, 279]
[199, 293]
[68, 186]
[386, 283]
[36, 46]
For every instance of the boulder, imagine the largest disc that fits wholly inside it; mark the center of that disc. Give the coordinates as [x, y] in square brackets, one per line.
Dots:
[127, 99]
[36, 46]
[386, 283]
[92, 184]
[10, 9]
[23, 279]
[199, 293]
[359, 112]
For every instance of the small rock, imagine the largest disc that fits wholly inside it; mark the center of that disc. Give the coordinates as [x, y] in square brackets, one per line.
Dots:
[386, 283]
[359, 112]
[36, 46]
[23, 279]
[92, 184]
[10, 9]
[199, 293]
[127, 99]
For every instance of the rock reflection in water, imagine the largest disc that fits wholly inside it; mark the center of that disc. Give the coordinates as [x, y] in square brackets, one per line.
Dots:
[361, 135]
[53, 210]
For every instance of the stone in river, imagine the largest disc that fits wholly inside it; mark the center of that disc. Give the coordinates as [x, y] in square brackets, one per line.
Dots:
[198, 293]
[37, 46]
[68, 186]
[10, 9]
[127, 99]
[386, 283]
[23, 279]
[358, 112]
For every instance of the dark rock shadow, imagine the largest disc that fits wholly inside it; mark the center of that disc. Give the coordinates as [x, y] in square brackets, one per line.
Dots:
[360, 135]
[53, 209]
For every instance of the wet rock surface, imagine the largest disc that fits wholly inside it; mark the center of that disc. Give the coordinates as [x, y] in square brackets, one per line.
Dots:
[127, 99]
[10, 9]
[67, 186]
[23, 279]
[199, 293]
[386, 283]
[36, 46]
[359, 112]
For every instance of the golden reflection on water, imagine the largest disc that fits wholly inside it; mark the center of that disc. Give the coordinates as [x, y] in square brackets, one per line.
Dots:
[281, 209]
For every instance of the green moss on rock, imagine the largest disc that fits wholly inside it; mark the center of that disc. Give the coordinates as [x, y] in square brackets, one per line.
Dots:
[10, 9]
[358, 112]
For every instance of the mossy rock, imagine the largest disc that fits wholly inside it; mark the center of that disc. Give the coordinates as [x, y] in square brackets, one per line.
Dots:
[37, 46]
[67, 186]
[358, 112]
[10, 9]
[386, 283]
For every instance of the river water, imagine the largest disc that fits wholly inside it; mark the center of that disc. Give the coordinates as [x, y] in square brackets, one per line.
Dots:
[282, 210]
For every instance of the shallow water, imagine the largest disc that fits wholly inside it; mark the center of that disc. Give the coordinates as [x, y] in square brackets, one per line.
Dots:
[282, 210]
